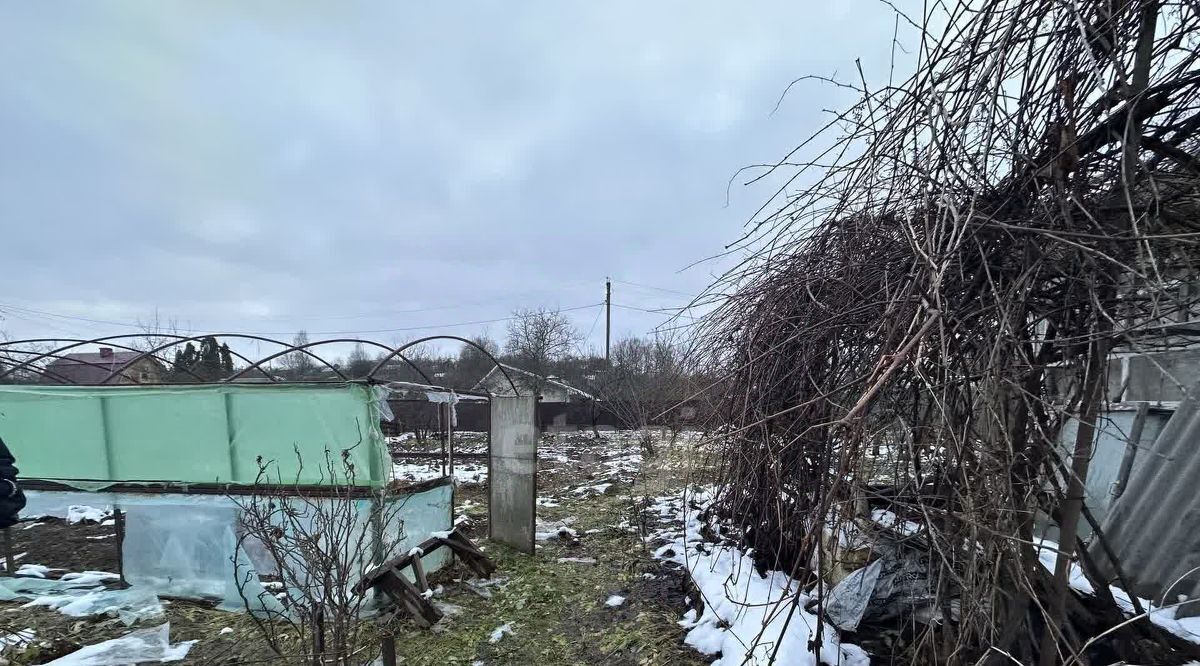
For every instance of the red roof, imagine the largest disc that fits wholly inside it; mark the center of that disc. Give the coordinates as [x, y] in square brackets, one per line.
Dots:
[90, 367]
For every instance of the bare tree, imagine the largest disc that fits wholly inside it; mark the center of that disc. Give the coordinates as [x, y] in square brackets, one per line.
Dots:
[472, 364]
[646, 379]
[312, 551]
[1022, 204]
[299, 364]
[359, 363]
[17, 355]
[410, 364]
[539, 337]
[156, 332]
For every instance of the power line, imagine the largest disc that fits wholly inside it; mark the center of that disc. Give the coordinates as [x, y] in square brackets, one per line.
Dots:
[594, 322]
[659, 311]
[665, 312]
[368, 315]
[425, 328]
[16, 310]
[662, 289]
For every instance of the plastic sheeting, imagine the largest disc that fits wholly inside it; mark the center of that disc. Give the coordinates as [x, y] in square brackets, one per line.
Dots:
[87, 435]
[180, 545]
[57, 504]
[895, 583]
[152, 645]
[184, 545]
[80, 597]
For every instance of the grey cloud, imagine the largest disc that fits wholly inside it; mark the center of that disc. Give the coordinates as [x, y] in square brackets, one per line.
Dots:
[257, 166]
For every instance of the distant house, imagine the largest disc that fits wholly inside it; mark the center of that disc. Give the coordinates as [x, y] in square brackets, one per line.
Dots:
[96, 367]
[551, 388]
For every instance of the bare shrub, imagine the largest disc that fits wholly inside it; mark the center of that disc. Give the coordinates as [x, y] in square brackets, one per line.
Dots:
[1021, 206]
[300, 551]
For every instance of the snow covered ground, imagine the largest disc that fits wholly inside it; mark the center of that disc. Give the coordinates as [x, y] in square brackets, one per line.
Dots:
[747, 618]
[465, 471]
[621, 463]
[1163, 615]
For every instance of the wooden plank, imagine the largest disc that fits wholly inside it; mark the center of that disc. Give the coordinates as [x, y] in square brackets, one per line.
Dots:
[419, 573]
[422, 611]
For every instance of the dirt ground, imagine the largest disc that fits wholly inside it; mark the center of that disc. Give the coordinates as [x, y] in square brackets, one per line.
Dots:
[553, 603]
[53, 543]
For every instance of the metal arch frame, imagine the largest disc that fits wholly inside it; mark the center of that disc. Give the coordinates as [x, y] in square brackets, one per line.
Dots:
[487, 353]
[177, 340]
[252, 366]
[64, 380]
[107, 340]
[288, 349]
[304, 348]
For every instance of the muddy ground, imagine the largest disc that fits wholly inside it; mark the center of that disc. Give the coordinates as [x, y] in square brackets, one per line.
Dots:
[553, 602]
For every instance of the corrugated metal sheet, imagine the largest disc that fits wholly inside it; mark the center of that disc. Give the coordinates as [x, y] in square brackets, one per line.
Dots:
[1153, 528]
[1115, 430]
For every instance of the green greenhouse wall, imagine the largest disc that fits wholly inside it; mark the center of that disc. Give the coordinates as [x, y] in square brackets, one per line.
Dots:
[80, 435]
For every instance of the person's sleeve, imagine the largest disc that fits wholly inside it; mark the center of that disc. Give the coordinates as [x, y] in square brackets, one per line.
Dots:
[8, 472]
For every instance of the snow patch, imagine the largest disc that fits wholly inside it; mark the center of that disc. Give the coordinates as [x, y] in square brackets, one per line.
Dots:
[598, 489]
[35, 570]
[747, 618]
[614, 601]
[500, 632]
[467, 472]
[89, 578]
[891, 521]
[78, 513]
[1164, 616]
[17, 639]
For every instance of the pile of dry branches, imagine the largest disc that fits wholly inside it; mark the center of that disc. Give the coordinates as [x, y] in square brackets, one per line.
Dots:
[1022, 206]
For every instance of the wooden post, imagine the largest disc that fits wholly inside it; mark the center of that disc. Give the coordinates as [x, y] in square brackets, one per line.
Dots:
[318, 637]
[10, 565]
[450, 436]
[442, 434]
[388, 650]
[1095, 375]
[119, 524]
[419, 573]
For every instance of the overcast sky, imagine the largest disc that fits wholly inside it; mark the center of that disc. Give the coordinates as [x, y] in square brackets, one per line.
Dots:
[371, 167]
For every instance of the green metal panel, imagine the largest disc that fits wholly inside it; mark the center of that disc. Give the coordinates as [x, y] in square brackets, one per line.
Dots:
[194, 434]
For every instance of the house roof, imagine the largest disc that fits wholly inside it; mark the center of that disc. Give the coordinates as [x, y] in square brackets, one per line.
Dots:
[545, 380]
[90, 367]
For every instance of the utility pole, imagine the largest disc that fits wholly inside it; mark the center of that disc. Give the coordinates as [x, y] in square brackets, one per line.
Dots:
[607, 318]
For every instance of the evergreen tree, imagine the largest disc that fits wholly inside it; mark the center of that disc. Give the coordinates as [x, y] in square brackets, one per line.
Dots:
[208, 365]
[185, 360]
[226, 360]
